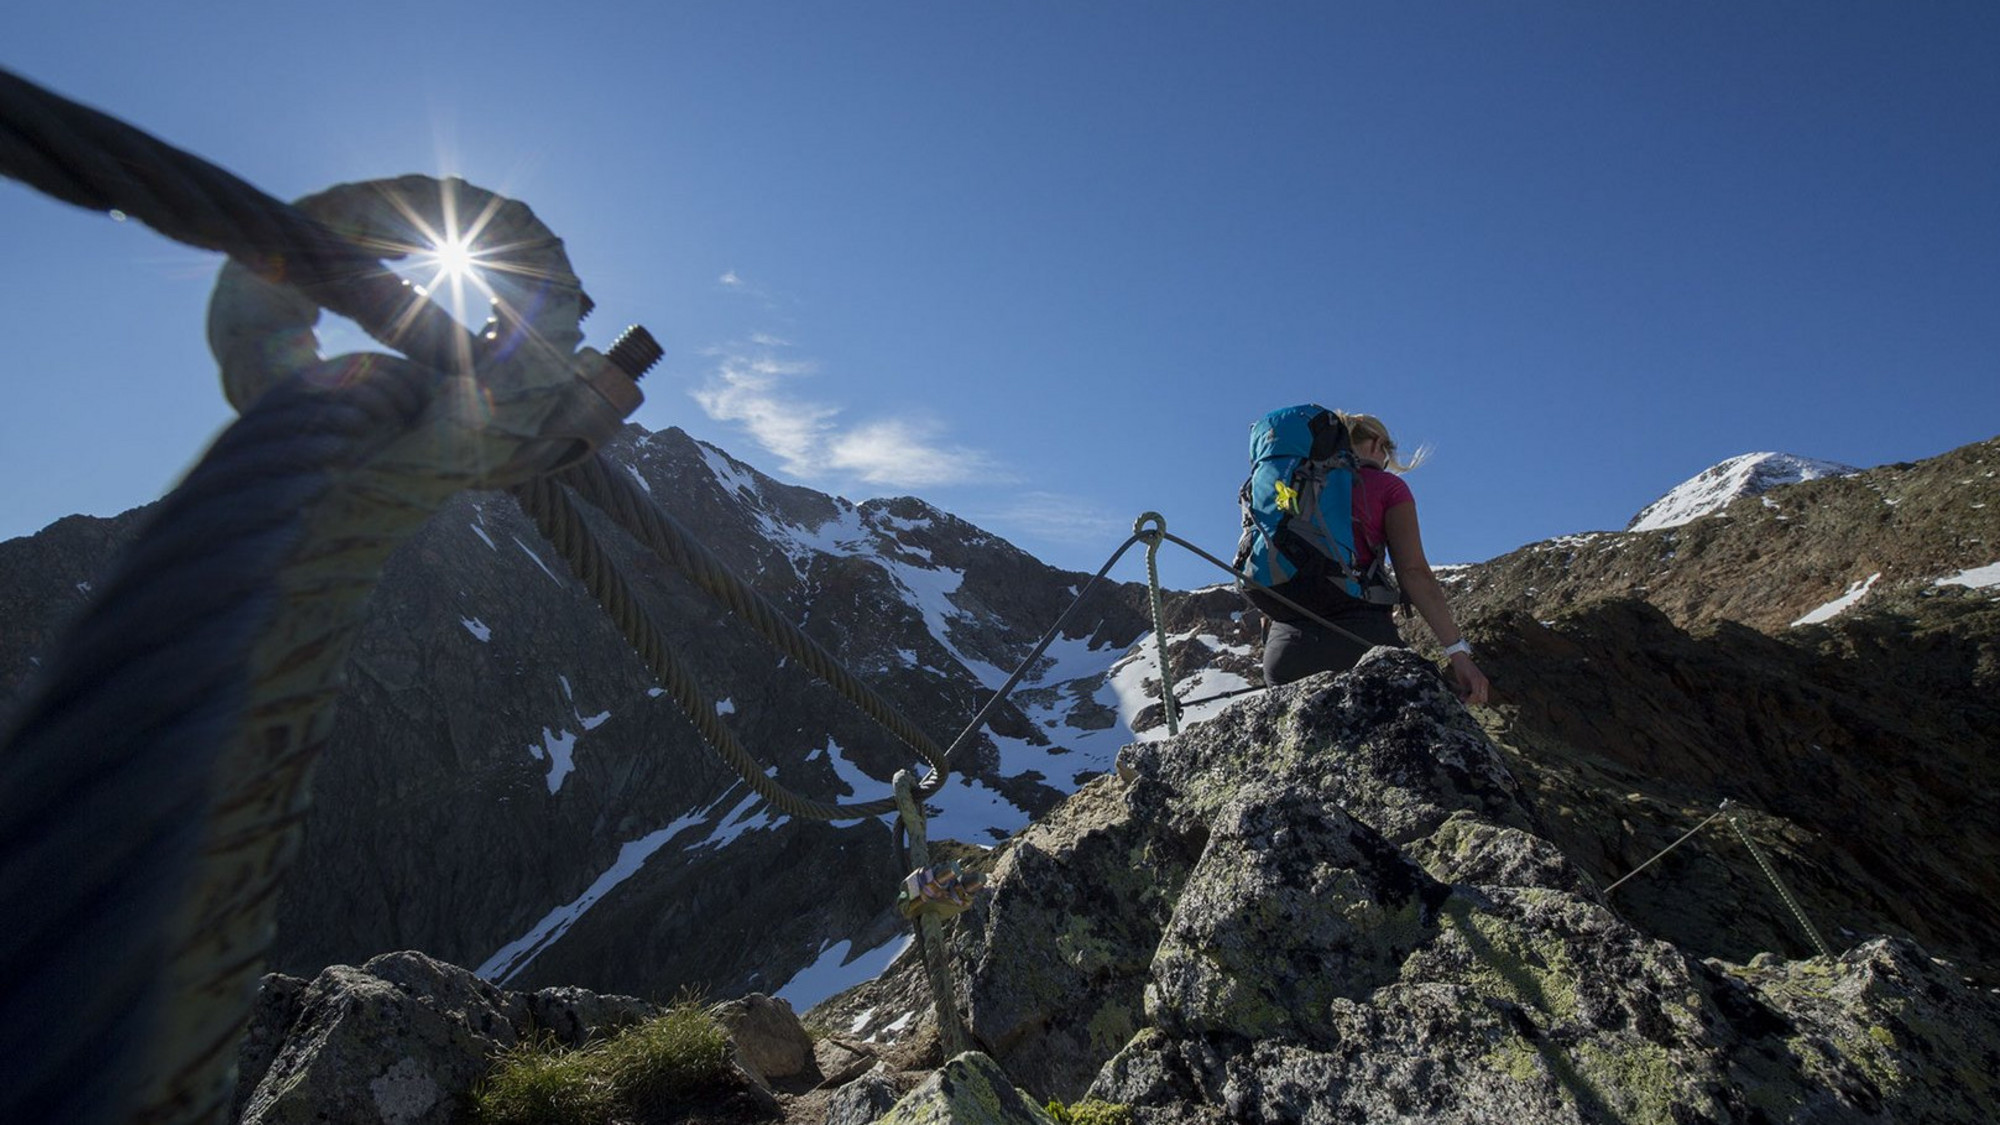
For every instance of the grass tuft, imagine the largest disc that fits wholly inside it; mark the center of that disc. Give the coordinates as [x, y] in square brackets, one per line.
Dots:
[643, 1068]
[1091, 1111]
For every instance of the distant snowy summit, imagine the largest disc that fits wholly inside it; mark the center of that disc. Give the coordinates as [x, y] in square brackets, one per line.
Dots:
[1748, 475]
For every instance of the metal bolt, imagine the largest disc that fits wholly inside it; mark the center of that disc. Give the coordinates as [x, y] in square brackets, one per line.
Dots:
[635, 352]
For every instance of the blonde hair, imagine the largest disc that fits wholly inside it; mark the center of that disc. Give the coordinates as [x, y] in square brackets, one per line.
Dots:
[1361, 427]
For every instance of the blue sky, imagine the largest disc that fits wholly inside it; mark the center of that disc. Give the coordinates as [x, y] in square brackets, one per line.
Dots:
[1042, 263]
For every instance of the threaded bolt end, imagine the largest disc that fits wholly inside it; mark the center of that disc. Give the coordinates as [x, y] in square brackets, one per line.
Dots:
[635, 352]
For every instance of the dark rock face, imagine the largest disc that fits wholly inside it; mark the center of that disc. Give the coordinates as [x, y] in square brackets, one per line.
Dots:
[1863, 757]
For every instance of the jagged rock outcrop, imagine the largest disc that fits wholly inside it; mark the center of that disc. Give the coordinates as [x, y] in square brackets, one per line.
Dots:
[968, 1090]
[400, 1040]
[1337, 902]
[1341, 901]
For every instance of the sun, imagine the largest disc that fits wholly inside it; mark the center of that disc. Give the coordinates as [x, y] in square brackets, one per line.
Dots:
[455, 259]
[451, 268]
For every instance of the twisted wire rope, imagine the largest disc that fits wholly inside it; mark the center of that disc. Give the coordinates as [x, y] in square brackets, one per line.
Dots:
[1771, 873]
[549, 505]
[124, 733]
[1153, 537]
[620, 498]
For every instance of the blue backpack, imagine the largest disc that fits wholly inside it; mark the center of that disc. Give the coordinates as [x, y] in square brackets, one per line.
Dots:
[1298, 518]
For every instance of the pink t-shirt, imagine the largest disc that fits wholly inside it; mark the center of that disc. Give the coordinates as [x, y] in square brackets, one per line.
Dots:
[1380, 491]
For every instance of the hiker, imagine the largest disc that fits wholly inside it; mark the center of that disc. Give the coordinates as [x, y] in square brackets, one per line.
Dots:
[1384, 518]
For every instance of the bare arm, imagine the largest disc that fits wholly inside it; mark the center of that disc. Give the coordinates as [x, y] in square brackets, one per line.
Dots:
[1413, 573]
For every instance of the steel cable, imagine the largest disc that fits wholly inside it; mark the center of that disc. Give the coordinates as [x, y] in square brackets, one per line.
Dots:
[109, 775]
[549, 505]
[620, 498]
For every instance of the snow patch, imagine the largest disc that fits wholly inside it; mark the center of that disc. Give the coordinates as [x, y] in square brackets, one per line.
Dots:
[510, 959]
[728, 473]
[1841, 604]
[836, 970]
[1978, 578]
[739, 821]
[928, 590]
[852, 780]
[968, 809]
[558, 748]
[529, 551]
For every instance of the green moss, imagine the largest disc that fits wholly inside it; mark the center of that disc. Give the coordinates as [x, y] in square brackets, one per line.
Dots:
[1636, 1078]
[1516, 1059]
[1515, 963]
[1082, 948]
[541, 1082]
[1111, 1028]
[1091, 1111]
[1244, 1008]
[971, 1087]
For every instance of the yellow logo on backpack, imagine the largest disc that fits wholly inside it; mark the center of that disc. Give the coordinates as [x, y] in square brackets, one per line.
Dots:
[1286, 497]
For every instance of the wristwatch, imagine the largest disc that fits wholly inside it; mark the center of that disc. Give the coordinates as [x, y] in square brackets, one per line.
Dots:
[1458, 646]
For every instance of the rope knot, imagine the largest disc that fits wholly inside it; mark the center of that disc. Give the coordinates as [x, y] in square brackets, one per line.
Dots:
[516, 399]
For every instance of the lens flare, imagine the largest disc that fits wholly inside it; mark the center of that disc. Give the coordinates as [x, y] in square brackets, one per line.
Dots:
[455, 259]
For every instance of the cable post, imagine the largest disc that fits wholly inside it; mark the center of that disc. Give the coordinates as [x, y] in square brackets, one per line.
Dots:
[1151, 529]
[930, 934]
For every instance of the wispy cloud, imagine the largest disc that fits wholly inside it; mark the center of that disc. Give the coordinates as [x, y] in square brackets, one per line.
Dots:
[748, 390]
[756, 387]
[733, 282]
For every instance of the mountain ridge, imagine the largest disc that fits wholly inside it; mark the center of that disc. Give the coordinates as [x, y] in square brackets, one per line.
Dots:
[485, 720]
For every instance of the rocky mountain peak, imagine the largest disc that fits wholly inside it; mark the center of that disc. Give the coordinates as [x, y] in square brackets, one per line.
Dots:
[1715, 488]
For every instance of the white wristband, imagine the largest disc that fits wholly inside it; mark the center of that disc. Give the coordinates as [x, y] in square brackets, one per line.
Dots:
[1458, 646]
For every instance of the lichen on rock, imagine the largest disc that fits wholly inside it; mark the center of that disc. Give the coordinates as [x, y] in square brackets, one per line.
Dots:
[1353, 914]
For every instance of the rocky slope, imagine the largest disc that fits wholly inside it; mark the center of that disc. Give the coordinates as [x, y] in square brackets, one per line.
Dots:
[1332, 902]
[1769, 560]
[1338, 902]
[1644, 677]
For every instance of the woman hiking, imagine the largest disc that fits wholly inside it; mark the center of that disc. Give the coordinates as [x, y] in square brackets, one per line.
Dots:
[1385, 520]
